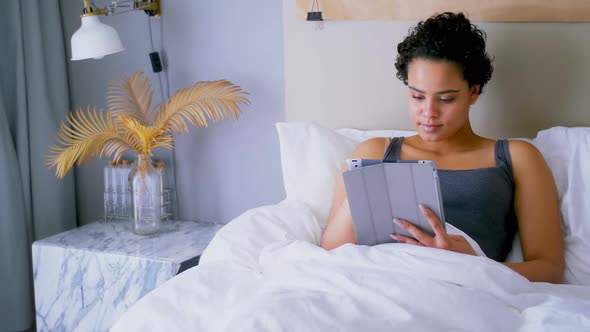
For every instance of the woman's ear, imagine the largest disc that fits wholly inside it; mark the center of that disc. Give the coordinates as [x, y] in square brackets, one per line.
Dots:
[475, 92]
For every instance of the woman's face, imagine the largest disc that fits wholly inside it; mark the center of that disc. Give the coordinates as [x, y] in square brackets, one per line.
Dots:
[439, 98]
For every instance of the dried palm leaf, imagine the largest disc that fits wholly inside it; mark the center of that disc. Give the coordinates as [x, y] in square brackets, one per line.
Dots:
[86, 134]
[132, 98]
[144, 138]
[215, 100]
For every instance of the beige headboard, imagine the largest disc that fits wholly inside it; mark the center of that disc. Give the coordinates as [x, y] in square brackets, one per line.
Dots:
[344, 76]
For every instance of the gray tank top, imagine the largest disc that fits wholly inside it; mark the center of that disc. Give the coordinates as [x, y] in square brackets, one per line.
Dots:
[480, 202]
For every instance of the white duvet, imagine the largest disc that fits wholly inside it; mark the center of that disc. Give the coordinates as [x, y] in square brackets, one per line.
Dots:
[265, 272]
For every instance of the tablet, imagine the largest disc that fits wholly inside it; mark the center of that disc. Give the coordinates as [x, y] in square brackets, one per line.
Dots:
[380, 190]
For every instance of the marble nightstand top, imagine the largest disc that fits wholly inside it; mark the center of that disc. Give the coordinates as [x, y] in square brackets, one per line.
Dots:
[177, 241]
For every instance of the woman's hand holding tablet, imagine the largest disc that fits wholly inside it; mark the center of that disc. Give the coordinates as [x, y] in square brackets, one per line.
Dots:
[441, 239]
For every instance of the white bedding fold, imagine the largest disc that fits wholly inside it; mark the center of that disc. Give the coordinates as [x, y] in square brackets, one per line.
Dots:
[282, 281]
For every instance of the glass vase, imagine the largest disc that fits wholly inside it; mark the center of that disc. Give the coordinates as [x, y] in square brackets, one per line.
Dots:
[146, 185]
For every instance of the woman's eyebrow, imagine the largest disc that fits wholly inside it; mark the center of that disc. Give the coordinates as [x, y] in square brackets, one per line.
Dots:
[438, 93]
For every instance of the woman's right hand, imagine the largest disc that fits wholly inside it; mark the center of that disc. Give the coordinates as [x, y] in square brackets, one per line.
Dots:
[440, 240]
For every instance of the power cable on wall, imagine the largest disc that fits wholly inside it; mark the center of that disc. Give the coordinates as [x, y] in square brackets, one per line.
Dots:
[155, 59]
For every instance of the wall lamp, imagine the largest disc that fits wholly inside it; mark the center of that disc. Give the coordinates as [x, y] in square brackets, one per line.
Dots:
[95, 39]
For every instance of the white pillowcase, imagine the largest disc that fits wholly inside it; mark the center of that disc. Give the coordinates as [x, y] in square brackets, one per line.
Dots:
[312, 157]
[567, 152]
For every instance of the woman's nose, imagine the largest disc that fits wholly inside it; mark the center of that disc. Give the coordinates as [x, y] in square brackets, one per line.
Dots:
[430, 109]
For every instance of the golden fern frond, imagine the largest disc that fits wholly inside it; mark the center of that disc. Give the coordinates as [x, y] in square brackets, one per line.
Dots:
[116, 148]
[143, 138]
[213, 100]
[164, 140]
[131, 98]
[84, 135]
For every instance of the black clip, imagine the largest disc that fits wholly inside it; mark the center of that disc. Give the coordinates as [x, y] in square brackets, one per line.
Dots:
[156, 62]
[314, 16]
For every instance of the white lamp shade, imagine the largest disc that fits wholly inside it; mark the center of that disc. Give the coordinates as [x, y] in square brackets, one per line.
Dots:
[95, 39]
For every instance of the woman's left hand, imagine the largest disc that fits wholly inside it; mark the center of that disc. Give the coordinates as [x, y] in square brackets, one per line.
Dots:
[441, 239]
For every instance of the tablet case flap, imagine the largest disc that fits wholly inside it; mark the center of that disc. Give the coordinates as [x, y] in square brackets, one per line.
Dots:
[378, 193]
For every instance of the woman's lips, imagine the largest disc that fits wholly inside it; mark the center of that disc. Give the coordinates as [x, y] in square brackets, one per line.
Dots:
[430, 128]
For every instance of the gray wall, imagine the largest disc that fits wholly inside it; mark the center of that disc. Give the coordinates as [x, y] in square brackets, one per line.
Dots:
[225, 169]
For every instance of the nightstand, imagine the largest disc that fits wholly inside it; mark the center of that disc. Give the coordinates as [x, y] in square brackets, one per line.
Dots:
[86, 278]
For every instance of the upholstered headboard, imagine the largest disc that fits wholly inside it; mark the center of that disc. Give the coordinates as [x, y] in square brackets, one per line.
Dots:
[344, 76]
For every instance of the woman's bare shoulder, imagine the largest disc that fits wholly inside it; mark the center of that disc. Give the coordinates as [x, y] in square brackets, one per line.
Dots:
[372, 148]
[523, 152]
[528, 162]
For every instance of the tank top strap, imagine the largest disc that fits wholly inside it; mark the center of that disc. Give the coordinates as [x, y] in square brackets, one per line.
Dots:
[503, 157]
[393, 151]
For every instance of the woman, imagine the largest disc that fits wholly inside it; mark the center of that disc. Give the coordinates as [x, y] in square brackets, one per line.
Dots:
[490, 188]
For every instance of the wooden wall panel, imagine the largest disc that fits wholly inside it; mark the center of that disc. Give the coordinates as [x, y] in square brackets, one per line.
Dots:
[476, 10]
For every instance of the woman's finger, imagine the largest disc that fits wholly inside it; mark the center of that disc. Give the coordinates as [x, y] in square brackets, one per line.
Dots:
[405, 239]
[433, 220]
[420, 235]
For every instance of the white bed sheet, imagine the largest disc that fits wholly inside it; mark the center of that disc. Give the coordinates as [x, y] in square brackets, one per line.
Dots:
[265, 272]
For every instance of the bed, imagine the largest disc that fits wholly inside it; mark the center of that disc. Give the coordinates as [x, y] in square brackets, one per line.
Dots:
[264, 271]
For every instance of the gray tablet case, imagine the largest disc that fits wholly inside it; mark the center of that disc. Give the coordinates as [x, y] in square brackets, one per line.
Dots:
[383, 190]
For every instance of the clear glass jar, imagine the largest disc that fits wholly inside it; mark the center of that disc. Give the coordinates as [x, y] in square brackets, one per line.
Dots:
[109, 191]
[146, 195]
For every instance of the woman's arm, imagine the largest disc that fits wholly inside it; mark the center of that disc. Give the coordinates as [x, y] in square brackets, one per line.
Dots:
[537, 209]
[340, 229]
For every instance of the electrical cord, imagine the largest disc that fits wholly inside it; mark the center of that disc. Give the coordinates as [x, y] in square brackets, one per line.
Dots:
[165, 97]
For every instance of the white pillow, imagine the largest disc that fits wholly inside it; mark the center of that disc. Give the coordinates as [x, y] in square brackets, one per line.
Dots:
[567, 152]
[311, 158]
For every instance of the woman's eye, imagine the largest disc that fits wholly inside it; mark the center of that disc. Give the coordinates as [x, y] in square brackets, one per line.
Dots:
[418, 97]
[447, 100]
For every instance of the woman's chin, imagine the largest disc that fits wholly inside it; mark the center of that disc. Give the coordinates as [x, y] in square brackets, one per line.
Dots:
[432, 133]
[431, 137]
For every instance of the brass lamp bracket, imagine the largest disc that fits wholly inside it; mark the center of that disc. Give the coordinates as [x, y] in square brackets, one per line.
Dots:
[89, 11]
[152, 8]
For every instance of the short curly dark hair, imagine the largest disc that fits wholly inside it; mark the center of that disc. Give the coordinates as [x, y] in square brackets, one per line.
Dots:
[447, 36]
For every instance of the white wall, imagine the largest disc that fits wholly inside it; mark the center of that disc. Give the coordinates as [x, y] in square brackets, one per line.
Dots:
[344, 75]
[227, 168]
